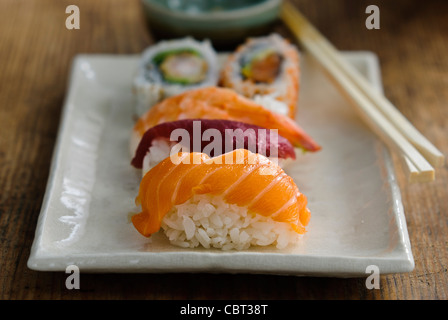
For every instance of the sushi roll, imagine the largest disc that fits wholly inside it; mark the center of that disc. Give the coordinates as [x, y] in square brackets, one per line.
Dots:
[267, 70]
[234, 201]
[210, 136]
[223, 104]
[171, 67]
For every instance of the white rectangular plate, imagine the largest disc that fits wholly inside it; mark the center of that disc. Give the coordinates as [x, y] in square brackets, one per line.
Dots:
[357, 215]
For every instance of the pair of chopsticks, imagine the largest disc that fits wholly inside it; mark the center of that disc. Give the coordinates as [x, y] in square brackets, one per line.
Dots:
[420, 156]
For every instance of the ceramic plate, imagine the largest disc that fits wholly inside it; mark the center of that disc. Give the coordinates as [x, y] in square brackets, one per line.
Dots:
[357, 214]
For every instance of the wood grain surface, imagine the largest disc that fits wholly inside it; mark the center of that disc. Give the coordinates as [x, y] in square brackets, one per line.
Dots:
[36, 51]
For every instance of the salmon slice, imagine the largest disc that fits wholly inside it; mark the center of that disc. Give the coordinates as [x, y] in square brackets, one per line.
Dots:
[223, 104]
[241, 177]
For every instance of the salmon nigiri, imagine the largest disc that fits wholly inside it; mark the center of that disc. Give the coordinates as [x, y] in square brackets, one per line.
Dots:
[231, 201]
[223, 104]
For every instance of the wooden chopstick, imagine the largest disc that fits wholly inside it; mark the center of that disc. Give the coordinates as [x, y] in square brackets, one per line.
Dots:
[434, 156]
[371, 104]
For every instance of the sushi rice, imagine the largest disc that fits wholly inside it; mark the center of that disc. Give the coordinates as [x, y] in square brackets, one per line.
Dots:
[208, 221]
[159, 150]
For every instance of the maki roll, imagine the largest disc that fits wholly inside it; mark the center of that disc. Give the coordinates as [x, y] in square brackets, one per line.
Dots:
[234, 201]
[172, 67]
[267, 70]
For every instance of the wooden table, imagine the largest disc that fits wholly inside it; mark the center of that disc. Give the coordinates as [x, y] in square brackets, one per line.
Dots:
[35, 55]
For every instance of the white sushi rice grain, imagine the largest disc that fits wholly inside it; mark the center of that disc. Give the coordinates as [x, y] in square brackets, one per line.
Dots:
[269, 102]
[159, 151]
[210, 222]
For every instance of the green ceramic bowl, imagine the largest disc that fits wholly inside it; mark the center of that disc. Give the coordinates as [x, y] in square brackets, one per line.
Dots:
[225, 22]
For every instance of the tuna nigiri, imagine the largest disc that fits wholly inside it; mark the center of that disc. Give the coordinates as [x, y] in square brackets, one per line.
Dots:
[231, 201]
[224, 104]
[211, 136]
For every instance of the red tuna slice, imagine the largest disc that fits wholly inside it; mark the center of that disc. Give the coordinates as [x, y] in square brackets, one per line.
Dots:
[233, 134]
